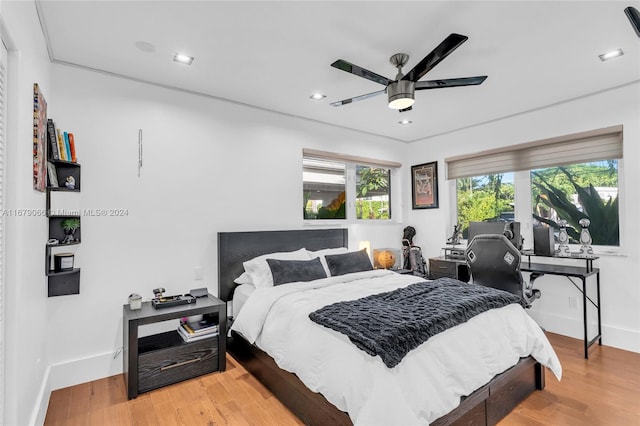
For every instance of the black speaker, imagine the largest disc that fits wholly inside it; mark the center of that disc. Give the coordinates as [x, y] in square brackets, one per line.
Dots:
[634, 18]
[543, 243]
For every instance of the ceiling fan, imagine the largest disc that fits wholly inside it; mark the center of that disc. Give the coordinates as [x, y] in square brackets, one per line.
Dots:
[401, 91]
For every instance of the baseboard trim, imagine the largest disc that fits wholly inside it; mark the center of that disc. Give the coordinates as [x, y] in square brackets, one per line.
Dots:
[620, 338]
[71, 373]
[42, 401]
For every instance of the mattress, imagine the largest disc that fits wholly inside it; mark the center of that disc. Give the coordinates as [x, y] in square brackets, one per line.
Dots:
[427, 384]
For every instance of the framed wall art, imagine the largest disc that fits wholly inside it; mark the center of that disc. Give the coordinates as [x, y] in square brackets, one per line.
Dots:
[424, 185]
[39, 140]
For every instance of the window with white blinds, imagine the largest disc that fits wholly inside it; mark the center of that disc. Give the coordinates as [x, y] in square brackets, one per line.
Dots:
[569, 178]
[593, 145]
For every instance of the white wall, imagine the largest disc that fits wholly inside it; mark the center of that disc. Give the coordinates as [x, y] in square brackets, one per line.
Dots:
[26, 286]
[209, 166]
[620, 290]
[213, 166]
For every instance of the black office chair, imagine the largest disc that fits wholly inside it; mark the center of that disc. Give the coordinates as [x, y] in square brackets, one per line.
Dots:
[495, 262]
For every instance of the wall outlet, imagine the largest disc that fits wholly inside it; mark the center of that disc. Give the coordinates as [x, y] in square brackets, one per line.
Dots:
[197, 273]
[573, 302]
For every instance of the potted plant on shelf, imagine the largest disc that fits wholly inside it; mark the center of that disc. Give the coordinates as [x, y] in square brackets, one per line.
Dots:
[69, 225]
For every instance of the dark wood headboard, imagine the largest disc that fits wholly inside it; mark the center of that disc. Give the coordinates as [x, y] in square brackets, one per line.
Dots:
[237, 247]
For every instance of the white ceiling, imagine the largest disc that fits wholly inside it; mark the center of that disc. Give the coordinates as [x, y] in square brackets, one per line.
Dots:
[274, 55]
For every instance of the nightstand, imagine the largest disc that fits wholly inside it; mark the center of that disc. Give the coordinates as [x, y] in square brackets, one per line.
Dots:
[161, 359]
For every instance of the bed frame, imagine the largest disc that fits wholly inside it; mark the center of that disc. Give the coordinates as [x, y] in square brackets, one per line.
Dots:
[485, 406]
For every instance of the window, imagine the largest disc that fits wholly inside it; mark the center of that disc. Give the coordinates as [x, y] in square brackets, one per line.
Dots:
[576, 191]
[324, 189]
[556, 180]
[485, 198]
[337, 186]
[373, 193]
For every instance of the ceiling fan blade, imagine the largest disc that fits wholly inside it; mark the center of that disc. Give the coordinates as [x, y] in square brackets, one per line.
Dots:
[450, 82]
[443, 50]
[357, 98]
[361, 72]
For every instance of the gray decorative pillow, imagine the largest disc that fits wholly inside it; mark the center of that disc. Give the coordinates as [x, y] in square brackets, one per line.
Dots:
[355, 261]
[289, 271]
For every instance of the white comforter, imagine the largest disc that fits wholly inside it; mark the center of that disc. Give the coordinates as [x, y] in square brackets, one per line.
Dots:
[427, 383]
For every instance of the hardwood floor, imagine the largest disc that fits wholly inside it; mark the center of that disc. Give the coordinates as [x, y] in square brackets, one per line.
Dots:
[604, 390]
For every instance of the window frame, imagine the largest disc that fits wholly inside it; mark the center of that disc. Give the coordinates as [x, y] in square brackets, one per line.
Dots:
[523, 210]
[350, 163]
[389, 192]
[593, 145]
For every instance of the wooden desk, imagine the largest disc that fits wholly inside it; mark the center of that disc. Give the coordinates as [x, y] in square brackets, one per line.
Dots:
[539, 269]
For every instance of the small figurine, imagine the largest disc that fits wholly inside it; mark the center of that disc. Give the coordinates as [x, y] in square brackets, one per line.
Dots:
[455, 237]
[563, 238]
[70, 225]
[70, 182]
[585, 239]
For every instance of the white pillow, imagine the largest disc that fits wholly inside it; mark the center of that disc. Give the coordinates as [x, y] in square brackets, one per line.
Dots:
[245, 278]
[259, 271]
[322, 253]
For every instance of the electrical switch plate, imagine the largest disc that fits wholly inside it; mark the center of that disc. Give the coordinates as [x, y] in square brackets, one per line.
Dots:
[197, 273]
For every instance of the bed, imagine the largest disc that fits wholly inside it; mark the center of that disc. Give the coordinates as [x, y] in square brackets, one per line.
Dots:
[491, 401]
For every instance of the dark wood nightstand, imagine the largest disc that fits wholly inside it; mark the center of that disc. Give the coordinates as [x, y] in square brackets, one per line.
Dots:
[161, 359]
[442, 267]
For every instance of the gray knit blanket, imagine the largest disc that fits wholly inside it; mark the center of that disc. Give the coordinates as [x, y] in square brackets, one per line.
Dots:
[393, 323]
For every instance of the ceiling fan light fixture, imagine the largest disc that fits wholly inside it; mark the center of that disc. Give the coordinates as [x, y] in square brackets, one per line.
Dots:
[401, 94]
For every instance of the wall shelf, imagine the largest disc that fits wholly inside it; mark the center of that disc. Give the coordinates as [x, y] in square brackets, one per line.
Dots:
[54, 274]
[62, 283]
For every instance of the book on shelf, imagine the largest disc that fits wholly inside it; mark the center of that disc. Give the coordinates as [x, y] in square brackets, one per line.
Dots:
[53, 140]
[66, 145]
[189, 337]
[72, 147]
[61, 147]
[52, 175]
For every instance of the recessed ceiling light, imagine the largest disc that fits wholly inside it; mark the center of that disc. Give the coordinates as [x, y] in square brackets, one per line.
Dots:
[183, 59]
[318, 96]
[611, 55]
[405, 122]
[145, 47]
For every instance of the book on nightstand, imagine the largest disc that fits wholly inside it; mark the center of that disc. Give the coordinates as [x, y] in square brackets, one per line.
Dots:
[189, 336]
[200, 327]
